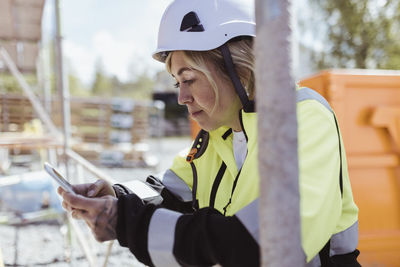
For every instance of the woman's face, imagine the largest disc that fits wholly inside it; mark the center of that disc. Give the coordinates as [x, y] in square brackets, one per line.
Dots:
[197, 93]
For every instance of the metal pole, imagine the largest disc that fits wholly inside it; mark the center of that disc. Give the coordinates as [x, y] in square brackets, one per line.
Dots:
[280, 235]
[92, 261]
[64, 99]
[60, 85]
[46, 78]
[1, 259]
[89, 167]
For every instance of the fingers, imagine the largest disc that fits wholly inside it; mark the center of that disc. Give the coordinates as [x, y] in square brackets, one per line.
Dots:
[81, 189]
[100, 214]
[79, 214]
[75, 213]
[101, 188]
[60, 190]
[79, 202]
[95, 188]
[66, 206]
[101, 237]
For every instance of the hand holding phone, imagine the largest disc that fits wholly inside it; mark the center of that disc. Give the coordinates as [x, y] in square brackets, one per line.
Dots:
[61, 181]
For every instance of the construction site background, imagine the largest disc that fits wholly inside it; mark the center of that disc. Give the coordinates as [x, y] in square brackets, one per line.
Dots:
[122, 130]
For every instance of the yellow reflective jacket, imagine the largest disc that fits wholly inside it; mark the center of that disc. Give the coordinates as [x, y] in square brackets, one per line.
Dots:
[325, 211]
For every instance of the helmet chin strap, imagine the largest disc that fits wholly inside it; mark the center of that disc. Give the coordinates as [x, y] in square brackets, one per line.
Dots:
[248, 105]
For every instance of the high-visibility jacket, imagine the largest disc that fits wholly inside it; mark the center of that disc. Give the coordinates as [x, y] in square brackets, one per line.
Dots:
[208, 180]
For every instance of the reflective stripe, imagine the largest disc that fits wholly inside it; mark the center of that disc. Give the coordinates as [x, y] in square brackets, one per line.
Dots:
[248, 216]
[315, 262]
[309, 94]
[341, 243]
[161, 237]
[176, 185]
[345, 241]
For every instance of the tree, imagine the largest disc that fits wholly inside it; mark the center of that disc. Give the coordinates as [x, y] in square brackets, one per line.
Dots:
[360, 34]
[102, 84]
[140, 88]
[76, 87]
[8, 83]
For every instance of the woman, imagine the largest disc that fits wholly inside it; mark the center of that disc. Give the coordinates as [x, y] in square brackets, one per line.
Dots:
[207, 213]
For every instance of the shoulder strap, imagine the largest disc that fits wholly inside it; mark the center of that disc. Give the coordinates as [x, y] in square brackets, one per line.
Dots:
[309, 94]
[199, 146]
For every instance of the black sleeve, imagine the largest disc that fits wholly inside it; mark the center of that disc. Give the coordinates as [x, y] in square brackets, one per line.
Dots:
[133, 226]
[207, 237]
[203, 238]
[170, 200]
[121, 190]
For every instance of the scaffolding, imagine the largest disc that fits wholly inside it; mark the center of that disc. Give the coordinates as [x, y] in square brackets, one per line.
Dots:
[20, 34]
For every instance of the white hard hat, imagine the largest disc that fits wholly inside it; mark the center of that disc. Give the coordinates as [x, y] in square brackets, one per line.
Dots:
[201, 25]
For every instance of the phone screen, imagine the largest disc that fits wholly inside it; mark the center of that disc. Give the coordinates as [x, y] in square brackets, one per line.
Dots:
[58, 177]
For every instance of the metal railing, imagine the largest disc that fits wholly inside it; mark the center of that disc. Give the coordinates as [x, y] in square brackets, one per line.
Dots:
[70, 156]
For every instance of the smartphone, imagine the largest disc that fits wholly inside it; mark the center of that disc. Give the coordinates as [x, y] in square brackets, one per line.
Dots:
[61, 181]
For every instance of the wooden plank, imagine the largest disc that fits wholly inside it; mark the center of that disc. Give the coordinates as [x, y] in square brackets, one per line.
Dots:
[11, 47]
[6, 23]
[25, 15]
[91, 119]
[32, 3]
[45, 118]
[29, 55]
[23, 140]
[28, 32]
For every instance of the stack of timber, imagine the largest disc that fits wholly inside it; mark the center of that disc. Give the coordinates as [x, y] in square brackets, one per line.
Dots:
[104, 131]
[15, 111]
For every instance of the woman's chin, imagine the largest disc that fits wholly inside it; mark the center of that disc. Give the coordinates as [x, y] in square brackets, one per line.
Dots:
[207, 127]
[203, 126]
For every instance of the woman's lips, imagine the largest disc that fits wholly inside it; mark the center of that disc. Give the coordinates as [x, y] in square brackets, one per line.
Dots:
[195, 114]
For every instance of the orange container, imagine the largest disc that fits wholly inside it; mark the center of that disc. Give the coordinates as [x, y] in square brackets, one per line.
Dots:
[367, 104]
[194, 128]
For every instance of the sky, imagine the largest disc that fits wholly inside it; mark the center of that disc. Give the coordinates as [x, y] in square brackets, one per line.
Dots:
[121, 34]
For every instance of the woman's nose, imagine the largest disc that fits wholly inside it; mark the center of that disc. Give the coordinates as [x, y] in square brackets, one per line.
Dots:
[184, 96]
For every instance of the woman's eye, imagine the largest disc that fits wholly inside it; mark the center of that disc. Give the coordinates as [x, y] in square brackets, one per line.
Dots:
[188, 82]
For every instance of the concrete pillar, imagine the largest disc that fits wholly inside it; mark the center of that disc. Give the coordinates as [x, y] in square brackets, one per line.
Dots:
[280, 234]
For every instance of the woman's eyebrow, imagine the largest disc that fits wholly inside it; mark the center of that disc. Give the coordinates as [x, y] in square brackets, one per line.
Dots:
[181, 70]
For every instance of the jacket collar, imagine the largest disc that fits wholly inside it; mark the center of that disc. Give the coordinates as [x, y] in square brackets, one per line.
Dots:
[222, 139]
[248, 120]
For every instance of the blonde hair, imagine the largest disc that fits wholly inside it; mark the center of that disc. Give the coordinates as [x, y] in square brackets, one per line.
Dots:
[243, 58]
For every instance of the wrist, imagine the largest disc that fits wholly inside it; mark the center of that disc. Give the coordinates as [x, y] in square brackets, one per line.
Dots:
[120, 190]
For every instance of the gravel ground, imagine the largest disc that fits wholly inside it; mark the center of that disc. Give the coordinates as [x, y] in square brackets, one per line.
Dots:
[46, 245]
[49, 244]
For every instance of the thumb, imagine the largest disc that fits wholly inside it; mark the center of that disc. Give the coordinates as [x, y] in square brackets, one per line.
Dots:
[95, 188]
[78, 214]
